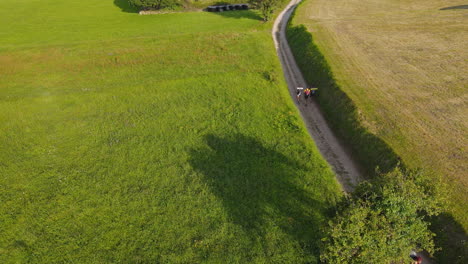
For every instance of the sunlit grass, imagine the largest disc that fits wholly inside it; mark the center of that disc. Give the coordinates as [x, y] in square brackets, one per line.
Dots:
[167, 138]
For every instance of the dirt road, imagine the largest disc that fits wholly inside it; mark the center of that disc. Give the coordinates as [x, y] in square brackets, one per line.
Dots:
[346, 170]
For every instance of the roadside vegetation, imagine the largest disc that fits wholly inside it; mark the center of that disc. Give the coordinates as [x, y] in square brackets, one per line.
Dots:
[267, 8]
[156, 4]
[391, 84]
[151, 139]
[383, 220]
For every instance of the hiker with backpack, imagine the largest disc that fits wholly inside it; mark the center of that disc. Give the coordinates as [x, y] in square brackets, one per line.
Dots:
[313, 91]
[306, 94]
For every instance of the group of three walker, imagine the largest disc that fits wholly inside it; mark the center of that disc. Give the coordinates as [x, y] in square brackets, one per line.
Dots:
[308, 92]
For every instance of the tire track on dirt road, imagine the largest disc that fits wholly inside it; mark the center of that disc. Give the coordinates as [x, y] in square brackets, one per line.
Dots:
[346, 170]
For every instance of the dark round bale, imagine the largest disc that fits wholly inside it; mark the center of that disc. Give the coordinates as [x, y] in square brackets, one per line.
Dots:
[219, 9]
[211, 9]
[245, 7]
[237, 7]
[230, 7]
[225, 8]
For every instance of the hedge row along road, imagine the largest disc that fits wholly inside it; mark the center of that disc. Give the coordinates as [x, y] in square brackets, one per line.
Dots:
[347, 171]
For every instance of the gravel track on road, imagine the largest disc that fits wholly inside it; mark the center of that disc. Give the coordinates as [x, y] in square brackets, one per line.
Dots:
[346, 170]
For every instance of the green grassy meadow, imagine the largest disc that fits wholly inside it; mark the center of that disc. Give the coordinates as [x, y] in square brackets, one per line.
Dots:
[151, 139]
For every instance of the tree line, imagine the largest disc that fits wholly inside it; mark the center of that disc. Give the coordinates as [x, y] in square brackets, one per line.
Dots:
[266, 7]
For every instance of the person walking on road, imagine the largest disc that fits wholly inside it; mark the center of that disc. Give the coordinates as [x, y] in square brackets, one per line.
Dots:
[298, 94]
[416, 259]
[313, 91]
[306, 94]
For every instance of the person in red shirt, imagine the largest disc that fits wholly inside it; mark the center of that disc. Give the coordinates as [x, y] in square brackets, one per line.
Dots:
[306, 94]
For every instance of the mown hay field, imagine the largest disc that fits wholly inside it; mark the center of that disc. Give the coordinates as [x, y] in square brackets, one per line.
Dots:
[403, 64]
[396, 69]
[151, 139]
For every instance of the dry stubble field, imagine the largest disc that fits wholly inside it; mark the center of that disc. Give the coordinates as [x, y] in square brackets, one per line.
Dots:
[405, 64]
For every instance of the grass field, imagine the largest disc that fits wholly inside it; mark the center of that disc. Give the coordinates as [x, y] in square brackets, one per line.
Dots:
[151, 139]
[403, 64]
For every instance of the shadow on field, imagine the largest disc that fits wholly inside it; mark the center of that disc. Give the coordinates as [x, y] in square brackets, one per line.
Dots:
[455, 7]
[451, 236]
[125, 6]
[249, 14]
[256, 186]
[370, 150]
[340, 111]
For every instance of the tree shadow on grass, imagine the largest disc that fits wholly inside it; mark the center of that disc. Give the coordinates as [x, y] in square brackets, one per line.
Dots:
[125, 6]
[370, 150]
[256, 186]
[455, 7]
[340, 110]
[451, 237]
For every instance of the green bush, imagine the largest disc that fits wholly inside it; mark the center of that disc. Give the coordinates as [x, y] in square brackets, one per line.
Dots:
[383, 220]
[155, 4]
[267, 7]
